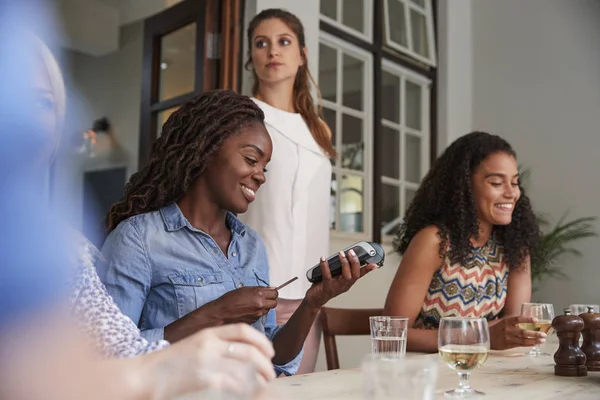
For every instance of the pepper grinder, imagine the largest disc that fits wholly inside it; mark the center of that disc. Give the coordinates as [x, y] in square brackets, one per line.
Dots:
[569, 359]
[591, 339]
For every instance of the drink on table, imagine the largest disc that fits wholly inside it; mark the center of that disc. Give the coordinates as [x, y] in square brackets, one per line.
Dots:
[464, 344]
[401, 378]
[388, 335]
[464, 357]
[577, 309]
[544, 326]
[544, 313]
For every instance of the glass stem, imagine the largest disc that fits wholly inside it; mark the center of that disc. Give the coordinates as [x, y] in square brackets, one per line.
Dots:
[464, 381]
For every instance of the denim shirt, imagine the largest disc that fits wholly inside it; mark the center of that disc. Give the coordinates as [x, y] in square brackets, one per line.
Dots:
[160, 268]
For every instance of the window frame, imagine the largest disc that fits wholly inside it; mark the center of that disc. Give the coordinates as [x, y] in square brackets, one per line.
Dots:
[381, 52]
[342, 47]
[402, 182]
[367, 18]
[220, 70]
[428, 12]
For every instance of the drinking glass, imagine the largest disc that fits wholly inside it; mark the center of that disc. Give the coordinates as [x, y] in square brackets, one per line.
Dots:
[399, 379]
[464, 344]
[544, 313]
[577, 309]
[226, 379]
[388, 336]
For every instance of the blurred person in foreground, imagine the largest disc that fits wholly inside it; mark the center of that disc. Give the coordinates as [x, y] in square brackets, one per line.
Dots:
[44, 353]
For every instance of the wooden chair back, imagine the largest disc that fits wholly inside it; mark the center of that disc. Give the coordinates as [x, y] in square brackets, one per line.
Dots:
[343, 321]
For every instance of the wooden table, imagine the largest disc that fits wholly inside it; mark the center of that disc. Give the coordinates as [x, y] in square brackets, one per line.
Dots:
[506, 375]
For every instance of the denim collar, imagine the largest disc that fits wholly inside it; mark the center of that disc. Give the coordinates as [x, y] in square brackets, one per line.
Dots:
[175, 220]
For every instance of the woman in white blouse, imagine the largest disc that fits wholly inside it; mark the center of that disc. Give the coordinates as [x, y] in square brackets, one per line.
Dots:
[291, 214]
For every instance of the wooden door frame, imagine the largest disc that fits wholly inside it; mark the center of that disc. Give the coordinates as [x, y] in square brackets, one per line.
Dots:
[222, 18]
[232, 18]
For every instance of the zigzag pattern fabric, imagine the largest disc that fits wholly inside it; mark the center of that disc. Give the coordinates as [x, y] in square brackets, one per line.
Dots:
[476, 289]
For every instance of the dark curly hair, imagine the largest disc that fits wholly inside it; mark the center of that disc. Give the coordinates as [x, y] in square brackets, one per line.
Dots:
[445, 199]
[190, 136]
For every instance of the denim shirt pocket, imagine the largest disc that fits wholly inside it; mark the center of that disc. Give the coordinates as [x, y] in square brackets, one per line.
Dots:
[193, 290]
[261, 280]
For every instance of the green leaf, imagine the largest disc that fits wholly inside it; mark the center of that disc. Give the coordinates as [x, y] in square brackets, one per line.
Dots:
[557, 243]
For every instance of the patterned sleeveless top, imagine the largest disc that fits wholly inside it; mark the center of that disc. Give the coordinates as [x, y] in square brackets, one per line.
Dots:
[476, 289]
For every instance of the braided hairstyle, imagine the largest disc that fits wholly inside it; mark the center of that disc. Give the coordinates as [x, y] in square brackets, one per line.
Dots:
[189, 138]
[445, 199]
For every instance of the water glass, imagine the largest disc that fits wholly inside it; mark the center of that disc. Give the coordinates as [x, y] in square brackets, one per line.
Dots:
[388, 336]
[399, 379]
[577, 309]
[226, 379]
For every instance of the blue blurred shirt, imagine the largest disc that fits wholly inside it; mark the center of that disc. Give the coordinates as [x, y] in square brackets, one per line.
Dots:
[160, 268]
[34, 253]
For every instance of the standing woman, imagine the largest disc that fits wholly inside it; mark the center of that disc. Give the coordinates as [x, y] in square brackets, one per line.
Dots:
[291, 214]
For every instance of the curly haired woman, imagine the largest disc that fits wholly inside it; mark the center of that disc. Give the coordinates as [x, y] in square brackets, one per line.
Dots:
[466, 243]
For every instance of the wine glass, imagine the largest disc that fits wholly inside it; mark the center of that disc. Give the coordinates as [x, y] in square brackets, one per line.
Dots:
[464, 344]
[544, 313]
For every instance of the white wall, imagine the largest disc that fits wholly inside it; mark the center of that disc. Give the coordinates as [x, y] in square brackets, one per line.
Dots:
[105, 86]
[455, 71]
[112, 86]
[93, 26]
[536, 82]
[83, 20]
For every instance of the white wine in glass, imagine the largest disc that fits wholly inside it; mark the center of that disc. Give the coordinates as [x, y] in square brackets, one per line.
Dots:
[544, 313]
[464, 344]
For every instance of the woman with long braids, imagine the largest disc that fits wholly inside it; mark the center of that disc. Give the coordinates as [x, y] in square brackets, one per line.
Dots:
[292, 213]
[466, 240]
[179, 259]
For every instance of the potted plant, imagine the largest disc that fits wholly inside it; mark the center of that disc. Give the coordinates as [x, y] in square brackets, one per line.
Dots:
[557, 242]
